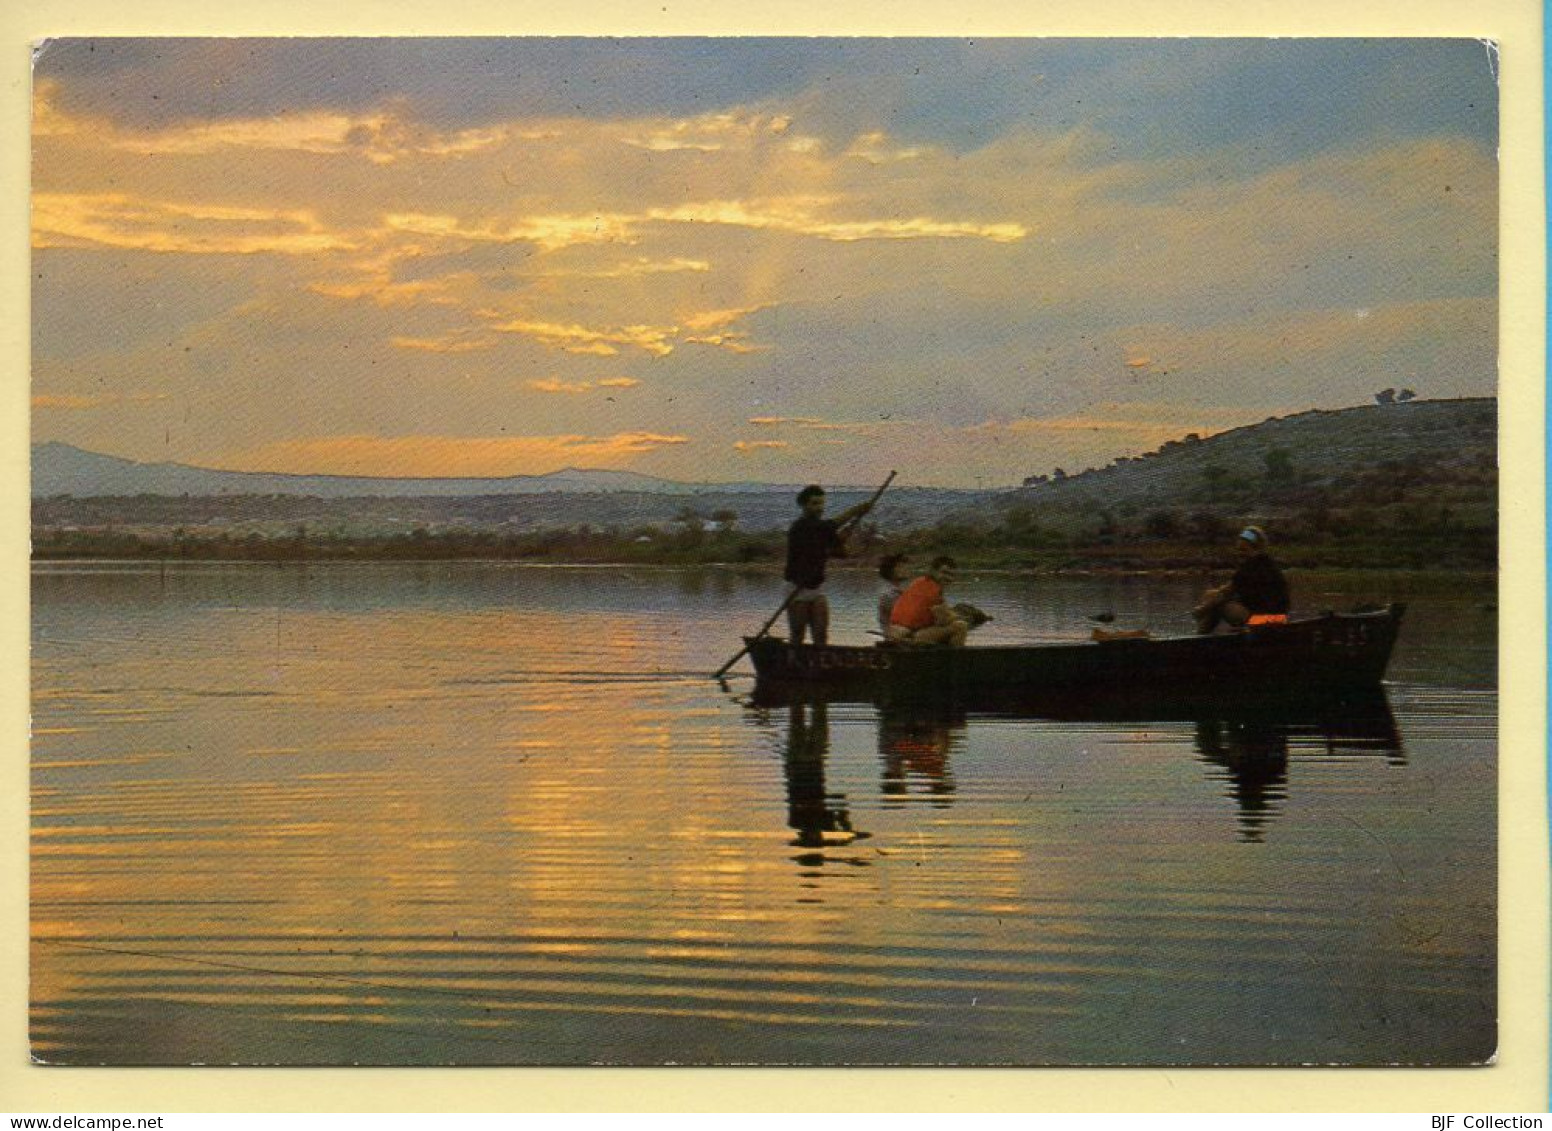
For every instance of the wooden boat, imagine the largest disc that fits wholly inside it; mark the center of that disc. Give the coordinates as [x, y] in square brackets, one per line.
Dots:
[1322, 654]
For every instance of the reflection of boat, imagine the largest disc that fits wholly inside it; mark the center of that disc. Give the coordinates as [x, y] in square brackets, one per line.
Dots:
[1248, 746]
[1353, 720]
[1250, 751]
[1331, 651]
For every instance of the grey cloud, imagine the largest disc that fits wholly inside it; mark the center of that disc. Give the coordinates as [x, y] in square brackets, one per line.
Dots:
[1280, 98]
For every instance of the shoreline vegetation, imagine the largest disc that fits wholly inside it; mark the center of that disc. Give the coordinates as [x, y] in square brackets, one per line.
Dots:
[1418, 549]
[1393, 485]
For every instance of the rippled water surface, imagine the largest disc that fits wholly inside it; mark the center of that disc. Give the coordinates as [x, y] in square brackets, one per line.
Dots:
[483, 813]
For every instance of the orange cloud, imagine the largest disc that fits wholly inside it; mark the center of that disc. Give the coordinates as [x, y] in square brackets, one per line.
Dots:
[555, 385]
[455, 456]
[72, 402]
[827, 426]
[69, 402]
[380, 290]
[452, 343]
[549, 232]
[717, 319]
[874, 149]
[579, 339]
[756, 445]
[117, 220]
[796, 215]
[710, 133]
[1138, 423]
[733, 343]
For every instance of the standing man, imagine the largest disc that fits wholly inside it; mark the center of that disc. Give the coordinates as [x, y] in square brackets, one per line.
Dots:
[811, 541]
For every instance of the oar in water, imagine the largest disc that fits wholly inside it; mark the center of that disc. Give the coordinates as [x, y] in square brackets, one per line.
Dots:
[793, 592]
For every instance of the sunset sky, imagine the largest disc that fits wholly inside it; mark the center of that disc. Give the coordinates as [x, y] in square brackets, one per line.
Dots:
[791, 260]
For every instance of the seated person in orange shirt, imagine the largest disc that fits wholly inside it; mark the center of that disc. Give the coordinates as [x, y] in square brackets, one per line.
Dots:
[922, 616]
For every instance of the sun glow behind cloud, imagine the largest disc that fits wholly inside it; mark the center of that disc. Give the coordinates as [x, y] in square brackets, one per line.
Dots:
[452, 456]
[853, 269]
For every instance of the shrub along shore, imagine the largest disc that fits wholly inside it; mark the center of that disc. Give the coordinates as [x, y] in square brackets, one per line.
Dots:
[1440, 546]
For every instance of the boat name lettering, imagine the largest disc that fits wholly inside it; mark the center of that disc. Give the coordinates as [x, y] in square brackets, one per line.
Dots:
[835, 659]
[1345, 636]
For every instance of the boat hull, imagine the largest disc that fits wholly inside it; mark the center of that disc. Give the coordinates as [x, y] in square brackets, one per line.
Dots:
[1324, 654]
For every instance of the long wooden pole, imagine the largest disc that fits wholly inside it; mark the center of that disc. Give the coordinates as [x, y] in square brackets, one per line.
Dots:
[793, 592]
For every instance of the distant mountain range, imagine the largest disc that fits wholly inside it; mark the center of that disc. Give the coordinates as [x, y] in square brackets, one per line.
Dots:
[72, 488]
[1412, 484]
[62, 469]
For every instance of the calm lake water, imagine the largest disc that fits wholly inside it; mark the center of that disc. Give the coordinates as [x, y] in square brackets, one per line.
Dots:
[486, 813]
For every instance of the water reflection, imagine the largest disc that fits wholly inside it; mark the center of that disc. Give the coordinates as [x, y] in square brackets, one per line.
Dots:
[1248, 749]
[1251, 752]
[819, 817]
[1253, 756]
[488, 813]
[916, 748]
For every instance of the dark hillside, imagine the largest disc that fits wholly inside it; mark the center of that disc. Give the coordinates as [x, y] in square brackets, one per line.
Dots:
[1406, 484]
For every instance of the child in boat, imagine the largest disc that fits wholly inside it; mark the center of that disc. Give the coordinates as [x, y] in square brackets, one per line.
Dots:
[922, 616]
[891, 567]
[1257, 594]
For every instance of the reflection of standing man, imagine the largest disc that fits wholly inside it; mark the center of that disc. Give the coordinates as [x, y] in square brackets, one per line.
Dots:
[809, 804]
[811, 541]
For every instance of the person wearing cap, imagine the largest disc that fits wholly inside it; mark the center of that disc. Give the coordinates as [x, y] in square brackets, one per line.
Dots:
[1257, 594]
[811, 541]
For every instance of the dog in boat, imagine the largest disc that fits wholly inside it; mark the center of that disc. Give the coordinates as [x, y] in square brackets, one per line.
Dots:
[971, 615]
